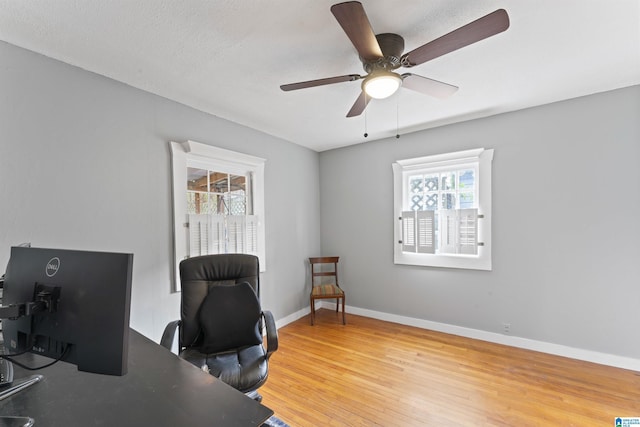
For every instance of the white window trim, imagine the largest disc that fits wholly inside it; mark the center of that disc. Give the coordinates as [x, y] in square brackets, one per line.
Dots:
[482, 261]
[212, 157]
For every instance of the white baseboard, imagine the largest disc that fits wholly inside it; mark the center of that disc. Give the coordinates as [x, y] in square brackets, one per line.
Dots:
[513, 341]
[292, 317]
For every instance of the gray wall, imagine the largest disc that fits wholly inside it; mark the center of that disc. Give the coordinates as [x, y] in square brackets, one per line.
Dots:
[566, 259]
[85, 164]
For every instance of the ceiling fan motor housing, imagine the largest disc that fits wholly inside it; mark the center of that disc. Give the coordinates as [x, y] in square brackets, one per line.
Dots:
[392, 46]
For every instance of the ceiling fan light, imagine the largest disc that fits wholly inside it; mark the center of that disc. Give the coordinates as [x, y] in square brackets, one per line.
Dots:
[381, 84]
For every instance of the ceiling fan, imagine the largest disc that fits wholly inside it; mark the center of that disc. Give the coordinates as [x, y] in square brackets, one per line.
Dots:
[382, 54]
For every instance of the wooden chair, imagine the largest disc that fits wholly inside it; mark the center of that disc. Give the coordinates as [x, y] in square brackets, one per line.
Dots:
[320, 289]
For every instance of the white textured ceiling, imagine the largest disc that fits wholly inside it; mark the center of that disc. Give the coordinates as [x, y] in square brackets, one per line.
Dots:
[229, 57]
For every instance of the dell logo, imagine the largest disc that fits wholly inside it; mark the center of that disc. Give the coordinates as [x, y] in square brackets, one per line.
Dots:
[52, 267]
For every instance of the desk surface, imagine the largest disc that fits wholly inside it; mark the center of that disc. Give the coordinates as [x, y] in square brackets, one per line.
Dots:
[160, 389]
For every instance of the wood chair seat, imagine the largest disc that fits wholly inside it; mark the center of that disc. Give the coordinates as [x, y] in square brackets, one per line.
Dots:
[329, 291]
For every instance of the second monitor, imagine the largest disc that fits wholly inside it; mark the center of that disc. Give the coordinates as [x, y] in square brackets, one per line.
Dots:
[88, 297]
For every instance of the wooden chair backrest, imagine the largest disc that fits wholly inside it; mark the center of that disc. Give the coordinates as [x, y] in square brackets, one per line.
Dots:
[318, 272]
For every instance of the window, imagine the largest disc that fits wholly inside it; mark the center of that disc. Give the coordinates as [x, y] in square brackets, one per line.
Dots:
[442, 210]
[218, 198]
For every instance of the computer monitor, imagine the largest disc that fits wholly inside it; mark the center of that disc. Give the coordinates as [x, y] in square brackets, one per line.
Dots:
[90, 296]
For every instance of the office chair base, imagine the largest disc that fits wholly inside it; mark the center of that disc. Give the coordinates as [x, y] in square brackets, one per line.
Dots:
[254, 395]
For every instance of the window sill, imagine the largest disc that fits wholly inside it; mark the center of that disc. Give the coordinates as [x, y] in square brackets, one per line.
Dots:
[469, 262]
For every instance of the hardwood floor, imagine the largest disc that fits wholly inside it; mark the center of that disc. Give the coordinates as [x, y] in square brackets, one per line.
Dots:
[375, 373]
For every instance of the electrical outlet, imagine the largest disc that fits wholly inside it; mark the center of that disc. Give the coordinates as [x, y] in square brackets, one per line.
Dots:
[506, 328]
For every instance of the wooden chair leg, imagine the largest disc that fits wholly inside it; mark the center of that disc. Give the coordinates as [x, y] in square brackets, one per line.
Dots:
[313, 309]
[344, 320]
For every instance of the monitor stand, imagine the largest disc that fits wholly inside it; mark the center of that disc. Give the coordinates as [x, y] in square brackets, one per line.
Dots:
[18, 385]
[10, 390]
[16, 421]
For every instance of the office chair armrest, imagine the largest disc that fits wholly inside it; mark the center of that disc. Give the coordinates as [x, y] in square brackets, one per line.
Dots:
[272, 333]
[169, 334]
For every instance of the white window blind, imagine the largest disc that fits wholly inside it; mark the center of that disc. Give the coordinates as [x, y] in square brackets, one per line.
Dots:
[251, 226]
[418, 231]
[459, 231]
[235, 233]
[425, 231]
[199, 232]
[468, 231]
[409, 231]
[216, 234]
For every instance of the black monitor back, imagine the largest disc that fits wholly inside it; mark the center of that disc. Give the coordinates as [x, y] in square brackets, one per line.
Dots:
[92, 312]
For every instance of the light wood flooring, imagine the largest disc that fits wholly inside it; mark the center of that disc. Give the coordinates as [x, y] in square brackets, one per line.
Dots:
[375, 373]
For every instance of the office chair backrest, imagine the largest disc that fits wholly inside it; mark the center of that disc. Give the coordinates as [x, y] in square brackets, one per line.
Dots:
[199, 274]
[230, 318]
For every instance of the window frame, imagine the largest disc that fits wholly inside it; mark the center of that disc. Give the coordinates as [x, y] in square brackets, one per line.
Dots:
[428, 164]
[189, 154]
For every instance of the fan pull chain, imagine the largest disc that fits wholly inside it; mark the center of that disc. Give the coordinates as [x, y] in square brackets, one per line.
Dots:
[398, 116]
[365, 116]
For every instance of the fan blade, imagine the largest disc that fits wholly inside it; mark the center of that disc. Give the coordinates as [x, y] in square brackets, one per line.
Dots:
[487, 26]
[359, 105]
[428, 86]
[320, 82]
[353, 20]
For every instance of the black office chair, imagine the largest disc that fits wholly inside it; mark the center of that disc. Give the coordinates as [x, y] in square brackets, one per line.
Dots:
[220, 329]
